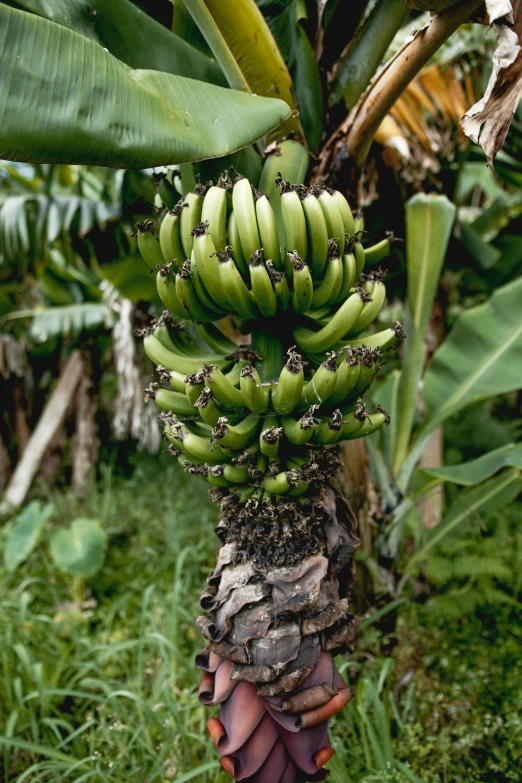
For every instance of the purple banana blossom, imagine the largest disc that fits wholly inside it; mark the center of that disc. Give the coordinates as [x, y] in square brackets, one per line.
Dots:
[278, 739]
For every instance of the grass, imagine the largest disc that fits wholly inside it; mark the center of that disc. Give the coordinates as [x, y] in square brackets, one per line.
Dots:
[98, 683]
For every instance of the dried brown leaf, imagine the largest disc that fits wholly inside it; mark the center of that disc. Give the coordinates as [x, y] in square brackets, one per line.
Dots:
[488, 121]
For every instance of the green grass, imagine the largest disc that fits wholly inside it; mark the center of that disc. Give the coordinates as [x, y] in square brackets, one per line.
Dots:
[97, 681]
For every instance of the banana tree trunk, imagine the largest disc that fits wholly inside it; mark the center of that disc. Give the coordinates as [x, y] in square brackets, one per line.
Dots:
[278, 603]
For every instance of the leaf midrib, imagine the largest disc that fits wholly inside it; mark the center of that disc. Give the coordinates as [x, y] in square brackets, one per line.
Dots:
[419, 301]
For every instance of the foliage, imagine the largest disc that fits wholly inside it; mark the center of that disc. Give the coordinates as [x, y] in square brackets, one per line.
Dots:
[24, 534]
[106, 680]
[80, 549]
[163, 117]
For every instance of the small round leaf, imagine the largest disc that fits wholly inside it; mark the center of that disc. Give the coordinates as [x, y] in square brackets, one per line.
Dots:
[79, 550]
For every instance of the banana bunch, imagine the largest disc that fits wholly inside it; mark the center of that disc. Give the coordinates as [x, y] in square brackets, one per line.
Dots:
[250, 437]
[256, 421]
[220, 252]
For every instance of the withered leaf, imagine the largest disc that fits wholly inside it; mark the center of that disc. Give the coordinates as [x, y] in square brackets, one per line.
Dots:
[488, 121]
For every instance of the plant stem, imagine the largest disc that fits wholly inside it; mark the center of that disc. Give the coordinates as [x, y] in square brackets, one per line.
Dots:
[353, 138]
[365, 54]
[267, 342]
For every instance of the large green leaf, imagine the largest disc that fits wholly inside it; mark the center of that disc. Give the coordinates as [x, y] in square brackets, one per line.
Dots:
[472, 472]
[480, 358]
[28, 224]
[88, 107]
[24, 534]
[285, 17]
[65, 320]
[243, 45]
[470, 505]
[129, 34]
[80, 550]
[429, 219]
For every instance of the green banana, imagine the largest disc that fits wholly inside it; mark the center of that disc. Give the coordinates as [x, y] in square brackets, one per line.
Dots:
[360, 258]
[346, 378]
[294, 221]
[188, 297]
[267, 225]
[236, 474]
[332, 216]
[208, 410]
[286, 394]
[381, 340]
[171, 341]
[327, 291]
[262, 290]
[235, 290]
[166, 287]
[316, 232]
[176, 379]
[148, 245]
[300, 431]
[185, 365]
[329, 431]
[369, 365]
[379, 251]
[214, 213]
[245, 212]
[196, 445]
[170, 236]
[243, 493]
[194, 386]
[349, 276]
[173, 401]
[190, 217]
[201, 292]
[345, 211]
[236, 436]
[270, 436]
[370, 311]
[167, 193]
[341, 322]
[215, 476]
[282, 291]
[302, 282]
[224, 392]
[322, 383]
[235, 242]
[354, 422]
[207, 264]
[369, 425]
[358, 219]
[286, 482]
[255, 396]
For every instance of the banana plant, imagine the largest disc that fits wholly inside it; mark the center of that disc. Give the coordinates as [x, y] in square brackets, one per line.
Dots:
[264, 354]
[477, 360]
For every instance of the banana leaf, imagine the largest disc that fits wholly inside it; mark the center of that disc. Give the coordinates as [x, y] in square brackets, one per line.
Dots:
[492, 494]
[480, 358]
[88, 107]
[243, 45]
[472, 472]
[285, 19]
[429, 219]
[129, 34]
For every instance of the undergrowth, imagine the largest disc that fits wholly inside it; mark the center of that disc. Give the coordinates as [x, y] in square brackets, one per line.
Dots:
[97, 681]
